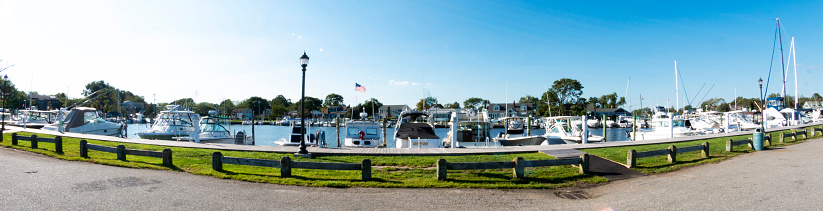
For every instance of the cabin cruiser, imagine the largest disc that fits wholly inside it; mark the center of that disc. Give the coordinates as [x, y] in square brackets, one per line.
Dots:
[173, 122]
[625, 121]
[215, 129]
[34, 119]
[85, 120]
[663, 126]
[362, 133]
[514, 135]
[563, 130]
[411, 133]
[468, 129]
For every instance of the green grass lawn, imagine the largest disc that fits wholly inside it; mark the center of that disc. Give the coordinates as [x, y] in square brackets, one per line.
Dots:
[659, 164]
[387, 171]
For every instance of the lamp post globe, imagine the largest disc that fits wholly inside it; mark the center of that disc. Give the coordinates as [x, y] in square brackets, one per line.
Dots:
[304, 61]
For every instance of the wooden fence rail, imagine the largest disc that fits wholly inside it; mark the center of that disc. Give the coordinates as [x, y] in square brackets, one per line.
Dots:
[783, 136]
[518, 165]
[816, 130]
[671, 153]
[286, 164]
[121, 152]
[57, 141]
[731, 143]
[797, 133]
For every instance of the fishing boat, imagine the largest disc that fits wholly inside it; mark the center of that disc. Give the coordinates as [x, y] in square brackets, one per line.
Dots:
[215, 129]
[470, 129]
[294, 137]
[34, 119]
[563, 130]
[410, 132]
[173, 122]
[85, 120]
[515, 134]
[362, 133]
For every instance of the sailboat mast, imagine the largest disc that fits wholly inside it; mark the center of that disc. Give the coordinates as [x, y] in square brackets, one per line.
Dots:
[794, 61]
[676, 90]
[783, 63]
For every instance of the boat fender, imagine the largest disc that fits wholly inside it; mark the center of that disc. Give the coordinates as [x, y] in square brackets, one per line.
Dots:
[362, 135]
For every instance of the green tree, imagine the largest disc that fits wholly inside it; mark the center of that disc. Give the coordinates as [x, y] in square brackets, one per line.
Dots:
[712, 104]
[203, 108]
[281, 101]
[333, 100]
[454, 105]
[426, 103]
[226, 107]
[548, 100]
[371, 106]
[312, 104]
[528, 99]
[257, 104]
[568, 92]
[476, 103]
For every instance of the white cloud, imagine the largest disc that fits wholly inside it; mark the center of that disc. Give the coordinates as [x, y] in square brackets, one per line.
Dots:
[415, 83]
[398, 83]
[321, 50]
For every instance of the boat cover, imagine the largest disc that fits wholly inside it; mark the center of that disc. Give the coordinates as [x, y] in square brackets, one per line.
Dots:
[415, 131]
[76, 117]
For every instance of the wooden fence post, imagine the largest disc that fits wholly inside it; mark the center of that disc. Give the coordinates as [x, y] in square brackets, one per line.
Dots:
[631, 158]
[794, 135]
[217, 161]
[768, 139]
[672, 154]
[782, 136]
[366, 166]
[121, 152]
[751, 143]
[167, 161]
[519, 167]
[729, 145]
[584, 163]
[58, 144]
[705, 153]
[441, 169]
[14, 139]
[84, 151]
[34, 141]
[285, 167]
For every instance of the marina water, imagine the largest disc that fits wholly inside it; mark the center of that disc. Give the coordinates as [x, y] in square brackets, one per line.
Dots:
[268, 134]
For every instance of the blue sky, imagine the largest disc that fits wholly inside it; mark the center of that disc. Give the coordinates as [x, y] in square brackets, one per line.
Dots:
[403, 51]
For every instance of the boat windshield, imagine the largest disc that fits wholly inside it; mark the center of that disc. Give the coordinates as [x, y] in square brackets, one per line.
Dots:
[91, 117]
[212, 128]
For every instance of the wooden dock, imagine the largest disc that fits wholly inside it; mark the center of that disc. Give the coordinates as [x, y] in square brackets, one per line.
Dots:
[317, 151]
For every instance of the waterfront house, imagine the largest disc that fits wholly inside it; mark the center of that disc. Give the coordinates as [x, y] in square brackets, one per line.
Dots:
[133, 107]
[45, 102]
[332, 112]
[242, 113]
[387, 111]
[498, 110]
[609, 112]
[812, 105]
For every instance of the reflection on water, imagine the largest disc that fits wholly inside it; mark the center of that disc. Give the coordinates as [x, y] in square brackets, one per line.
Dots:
[268, 134]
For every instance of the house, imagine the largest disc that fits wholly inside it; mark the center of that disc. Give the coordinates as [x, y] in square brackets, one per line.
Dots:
[45, 102]
[609, 112]
[332, 112]
[388, 111]
[812, 105]
[440, 114]
[243, 113]
[498, 110]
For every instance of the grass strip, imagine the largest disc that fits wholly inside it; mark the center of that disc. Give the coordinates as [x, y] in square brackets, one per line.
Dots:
[659, 164]
[387, 171]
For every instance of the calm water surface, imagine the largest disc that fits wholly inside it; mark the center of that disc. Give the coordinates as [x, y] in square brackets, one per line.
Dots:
[268, 134]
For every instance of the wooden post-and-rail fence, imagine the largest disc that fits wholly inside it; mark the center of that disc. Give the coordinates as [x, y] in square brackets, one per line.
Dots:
[286, 164]
[671, 152]
[518, 165]
[57, 141]
[121, 152]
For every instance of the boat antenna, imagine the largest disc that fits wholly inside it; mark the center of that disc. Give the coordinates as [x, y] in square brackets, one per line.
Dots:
[707, 92]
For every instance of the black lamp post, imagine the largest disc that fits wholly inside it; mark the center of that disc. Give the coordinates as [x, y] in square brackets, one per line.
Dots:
[762, 104]
[304, 61]
[4, 92]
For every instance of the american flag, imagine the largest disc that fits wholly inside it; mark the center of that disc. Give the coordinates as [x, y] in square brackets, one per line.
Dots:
[359, 88]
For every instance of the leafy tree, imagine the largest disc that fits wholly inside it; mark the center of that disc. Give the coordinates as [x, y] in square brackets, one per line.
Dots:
[281, 101]
[333, 100]
[371, 106]
[185, 102]
[311, 105]
[204, 108]
[226, 107]
[257, 104]
[712, 104]
[475, 102]
[568, 91]
[454, 105]
[817, 97]
[528, 99]
[426, 103]
[548, 100]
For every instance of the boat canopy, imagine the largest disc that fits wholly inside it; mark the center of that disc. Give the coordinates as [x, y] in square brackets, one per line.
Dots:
[416, 131]
[79, 116]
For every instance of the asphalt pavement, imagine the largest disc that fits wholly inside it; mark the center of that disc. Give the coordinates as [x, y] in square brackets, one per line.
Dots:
[787, 178]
